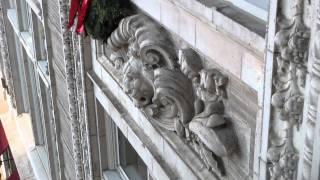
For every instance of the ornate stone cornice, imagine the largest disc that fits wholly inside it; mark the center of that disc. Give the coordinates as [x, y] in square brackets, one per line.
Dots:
[291, 55]
[176, 92]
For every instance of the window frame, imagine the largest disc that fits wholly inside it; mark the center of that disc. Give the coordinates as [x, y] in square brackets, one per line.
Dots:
[108, 147]
[252, 9]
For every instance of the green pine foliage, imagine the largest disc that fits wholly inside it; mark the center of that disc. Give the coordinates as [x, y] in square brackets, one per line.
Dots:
[104, 16]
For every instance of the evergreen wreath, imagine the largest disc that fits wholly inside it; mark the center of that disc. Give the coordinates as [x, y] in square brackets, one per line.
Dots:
[104, 16]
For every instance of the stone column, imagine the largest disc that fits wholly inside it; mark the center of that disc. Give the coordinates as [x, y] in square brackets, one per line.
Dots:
[284, 87]
[313, 89]
[71, 56]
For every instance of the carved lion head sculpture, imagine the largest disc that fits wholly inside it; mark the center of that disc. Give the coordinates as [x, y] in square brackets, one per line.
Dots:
[136, 82]
[148, 48]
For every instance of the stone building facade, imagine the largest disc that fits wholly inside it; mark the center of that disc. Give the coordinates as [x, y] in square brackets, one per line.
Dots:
[181, 89]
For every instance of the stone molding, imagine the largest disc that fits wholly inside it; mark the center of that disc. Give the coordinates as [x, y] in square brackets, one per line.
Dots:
[70, 52]
[5, 56]
[176, 93]
[80, 72]
[312, 93]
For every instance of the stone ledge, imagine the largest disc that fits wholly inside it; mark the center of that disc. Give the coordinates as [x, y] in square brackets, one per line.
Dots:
[180, 154]
[25, 37]
[241, 28]
[138, 140]
[37, 162]
[222, 40]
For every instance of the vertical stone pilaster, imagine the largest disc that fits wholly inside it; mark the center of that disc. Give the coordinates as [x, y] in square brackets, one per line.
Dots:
[83, 88]
[285, 78]
[313, 91]
[70, 52]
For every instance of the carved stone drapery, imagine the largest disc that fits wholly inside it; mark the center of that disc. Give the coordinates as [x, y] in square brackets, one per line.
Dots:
[177, 93]
[291, 55]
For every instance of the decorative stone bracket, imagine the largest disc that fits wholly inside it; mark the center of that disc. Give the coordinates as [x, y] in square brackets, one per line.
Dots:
[178, 94]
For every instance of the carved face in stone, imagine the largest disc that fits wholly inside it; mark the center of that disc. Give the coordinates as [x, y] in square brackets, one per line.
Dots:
[136, 83]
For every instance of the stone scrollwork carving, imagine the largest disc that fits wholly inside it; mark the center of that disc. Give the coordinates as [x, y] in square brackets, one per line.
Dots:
[291, 54]
[143, 39]
[178, 94]
[173, 99]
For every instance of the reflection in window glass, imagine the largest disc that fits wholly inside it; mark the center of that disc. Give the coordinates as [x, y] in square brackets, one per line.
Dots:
[130, 161]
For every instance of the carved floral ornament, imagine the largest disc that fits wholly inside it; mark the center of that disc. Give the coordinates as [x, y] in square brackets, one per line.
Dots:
[291, 55]
[178, 94]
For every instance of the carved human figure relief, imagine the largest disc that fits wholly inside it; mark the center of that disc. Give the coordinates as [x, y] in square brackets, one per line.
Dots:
[210, 91]
[209, 130]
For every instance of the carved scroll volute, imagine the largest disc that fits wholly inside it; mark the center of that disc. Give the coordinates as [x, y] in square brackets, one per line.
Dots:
[144, 40]
[174, 99]
[155, 51]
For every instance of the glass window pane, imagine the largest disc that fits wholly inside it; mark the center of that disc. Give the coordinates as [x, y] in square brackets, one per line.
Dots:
[263, 4]
[130, 161]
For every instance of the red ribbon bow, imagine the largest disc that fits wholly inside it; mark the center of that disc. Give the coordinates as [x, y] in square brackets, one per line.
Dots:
[81, 10]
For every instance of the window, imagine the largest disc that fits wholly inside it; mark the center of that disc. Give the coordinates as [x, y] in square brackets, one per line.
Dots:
[263, 4]
[118, 159]
[25, 16]
[258, 8]
[32, 89]
[20, 75]
[130, 162]
[39, 39]
[35, 105]
[45, 100]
